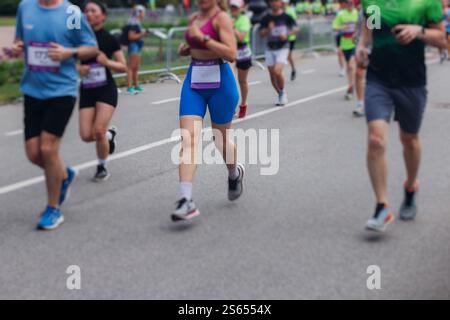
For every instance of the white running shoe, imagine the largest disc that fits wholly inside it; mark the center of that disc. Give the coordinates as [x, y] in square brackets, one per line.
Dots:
[185, 210]
[359, 110]
[282, 99]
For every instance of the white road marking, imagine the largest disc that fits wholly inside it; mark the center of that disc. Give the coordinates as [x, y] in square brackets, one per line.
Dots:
[93, 163]
[308, 71]
[166, 100]
[252, 83]
[14, 133]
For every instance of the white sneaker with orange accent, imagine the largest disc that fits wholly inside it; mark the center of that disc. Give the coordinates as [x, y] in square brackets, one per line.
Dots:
[382, 217]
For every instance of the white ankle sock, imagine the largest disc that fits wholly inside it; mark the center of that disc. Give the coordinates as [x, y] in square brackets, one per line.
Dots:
[109, 135]
[185, 189]
[103, 162]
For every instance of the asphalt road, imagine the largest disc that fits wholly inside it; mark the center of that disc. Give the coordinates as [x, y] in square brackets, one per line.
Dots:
[298, 234]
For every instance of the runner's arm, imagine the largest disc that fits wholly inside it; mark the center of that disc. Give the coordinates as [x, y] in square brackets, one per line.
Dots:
[433, 35]
[17, 47]
[117, 65]
[226, 48]
[240, 35]
[266, 28]
[85, 52]
[134, 35]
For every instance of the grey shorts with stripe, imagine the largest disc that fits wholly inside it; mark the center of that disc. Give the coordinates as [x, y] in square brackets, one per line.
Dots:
[406, 103]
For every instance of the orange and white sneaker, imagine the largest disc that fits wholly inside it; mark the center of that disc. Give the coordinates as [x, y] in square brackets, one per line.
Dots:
[382, 217]
[408, 209]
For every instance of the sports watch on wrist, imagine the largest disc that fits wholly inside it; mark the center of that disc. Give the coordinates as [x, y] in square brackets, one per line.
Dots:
[206, 38]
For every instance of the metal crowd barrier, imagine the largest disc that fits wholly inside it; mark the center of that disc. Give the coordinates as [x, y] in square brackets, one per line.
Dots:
[160, 57]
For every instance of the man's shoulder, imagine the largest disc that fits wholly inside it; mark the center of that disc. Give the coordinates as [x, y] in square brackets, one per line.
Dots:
[26, 4]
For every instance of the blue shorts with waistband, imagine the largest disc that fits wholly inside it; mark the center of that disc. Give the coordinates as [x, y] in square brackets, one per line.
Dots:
[221, 102]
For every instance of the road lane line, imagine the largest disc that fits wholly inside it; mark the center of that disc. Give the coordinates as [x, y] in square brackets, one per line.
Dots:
[252, 83]
[93, 163]
[308, 71]
[166, 100]
[13, 133]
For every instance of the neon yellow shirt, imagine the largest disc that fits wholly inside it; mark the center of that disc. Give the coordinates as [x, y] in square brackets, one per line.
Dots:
[346, 22]
[291, 12]
[243, 24]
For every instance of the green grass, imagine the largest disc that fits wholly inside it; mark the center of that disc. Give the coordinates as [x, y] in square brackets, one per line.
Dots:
[9, 92]
[7, 21]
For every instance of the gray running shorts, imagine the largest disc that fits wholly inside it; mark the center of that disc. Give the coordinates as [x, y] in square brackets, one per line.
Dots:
[406, 103]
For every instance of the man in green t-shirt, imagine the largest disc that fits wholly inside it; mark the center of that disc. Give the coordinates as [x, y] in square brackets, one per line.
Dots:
[396, 83]
[290, 11]
[345, 23]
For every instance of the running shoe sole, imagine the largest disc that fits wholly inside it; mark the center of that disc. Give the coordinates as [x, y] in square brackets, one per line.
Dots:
[52, 227]
[101, 179]
[389, 218]
[358, 114]
[185, 217]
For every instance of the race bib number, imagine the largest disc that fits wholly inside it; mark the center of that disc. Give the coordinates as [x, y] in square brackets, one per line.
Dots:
[205, 74]
[279, 30]
[95, 78]
[350, 29]
[244, 53]
[38, 59]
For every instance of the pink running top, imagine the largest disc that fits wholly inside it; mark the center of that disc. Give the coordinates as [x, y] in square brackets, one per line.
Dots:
[207, 29]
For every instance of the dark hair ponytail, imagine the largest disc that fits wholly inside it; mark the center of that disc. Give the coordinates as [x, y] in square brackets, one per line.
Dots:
[100, 3]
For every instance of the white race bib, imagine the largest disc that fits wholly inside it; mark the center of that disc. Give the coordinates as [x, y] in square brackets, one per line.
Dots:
[205, 74]
[38, 59]
[279, 30]
[96, 77]
[244, 53]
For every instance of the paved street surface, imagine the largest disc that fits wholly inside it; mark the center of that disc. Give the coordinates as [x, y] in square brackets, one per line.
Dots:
[6, 36]
[298, 234]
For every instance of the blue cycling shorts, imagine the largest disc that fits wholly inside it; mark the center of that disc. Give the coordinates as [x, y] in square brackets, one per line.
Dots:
[135, 47]
[221, 102]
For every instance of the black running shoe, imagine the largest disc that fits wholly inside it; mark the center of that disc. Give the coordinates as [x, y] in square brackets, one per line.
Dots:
[102, 173]
[112, 142]
[293, 75]
[236, 187]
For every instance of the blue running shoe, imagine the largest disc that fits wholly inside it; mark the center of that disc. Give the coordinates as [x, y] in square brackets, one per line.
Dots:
[65, 188]
[382, 217]
[408, 209]
[50, 219]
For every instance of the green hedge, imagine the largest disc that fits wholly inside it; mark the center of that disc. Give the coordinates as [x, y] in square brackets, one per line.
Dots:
[8, 7]
[11, 71]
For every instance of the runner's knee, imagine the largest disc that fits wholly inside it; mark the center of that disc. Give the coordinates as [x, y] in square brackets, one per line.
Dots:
[410, 141]
[99, 132]
[48, 149]
[34, 156]
[86, 136]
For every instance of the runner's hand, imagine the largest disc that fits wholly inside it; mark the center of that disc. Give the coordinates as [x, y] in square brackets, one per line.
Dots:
[195, 32]
[102, 59]
[283, 37]
[362, 57]
[57, 52]
[406, 33]
[17, 48]
[184, 49]
[84, 69]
